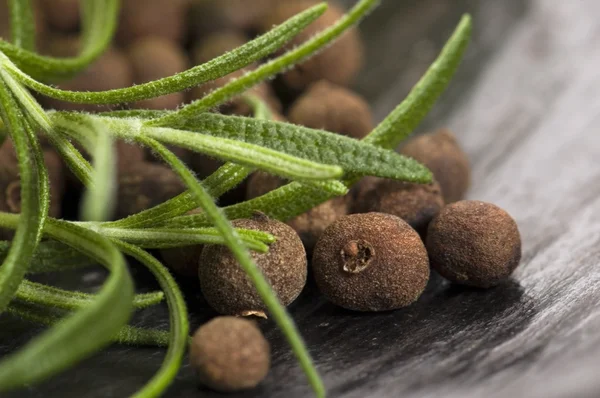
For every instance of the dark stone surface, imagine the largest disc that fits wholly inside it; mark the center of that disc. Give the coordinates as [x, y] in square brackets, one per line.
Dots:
[525, 107]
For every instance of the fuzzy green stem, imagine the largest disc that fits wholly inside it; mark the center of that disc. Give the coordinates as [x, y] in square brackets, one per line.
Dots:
[178, 340]
[22, 25]
[129, 335]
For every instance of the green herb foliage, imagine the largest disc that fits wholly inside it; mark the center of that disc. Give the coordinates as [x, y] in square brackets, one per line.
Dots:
[322, 165]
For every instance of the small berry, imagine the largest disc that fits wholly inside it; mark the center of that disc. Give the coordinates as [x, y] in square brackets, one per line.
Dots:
[333, 108]
[474, 243]
[370, 262]
[416, 204]
[62, 14]
[142, 18]
[225, 285]
[230, 354]
[440, 152]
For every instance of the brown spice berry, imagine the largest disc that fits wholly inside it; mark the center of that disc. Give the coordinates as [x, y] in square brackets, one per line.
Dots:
[230, 354]
[333, 108]
[474, 243]
[62, 14]
[145, 186]
[440, 152]
[309, 225]
[416, 204]
[225, 285]
[339, 63]
[370, 262]
[153, 58]
[183, 260]
[208, 16]
[141, 18]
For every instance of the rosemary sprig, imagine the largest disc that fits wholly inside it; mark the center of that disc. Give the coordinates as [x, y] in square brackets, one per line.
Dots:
[315, 160]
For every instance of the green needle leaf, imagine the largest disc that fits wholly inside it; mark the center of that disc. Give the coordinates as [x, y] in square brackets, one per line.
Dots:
[294, 199]
[166, 238]
[247, 154]
[82, 333]
[214, 69]
[402, 121]
[51, 256]
[53, 297]
[127, 334]
[22, 26]
[178, 321]
[99, 199]
[99, 23]
[315, 145]
[27, 236]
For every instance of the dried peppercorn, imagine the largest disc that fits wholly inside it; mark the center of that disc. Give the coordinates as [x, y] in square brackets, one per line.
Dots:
[474, 243]
[226, 286]
[416, 204]
[230, 354]
[330, 107]
[141, 18]
[370, 262]
[440, 152]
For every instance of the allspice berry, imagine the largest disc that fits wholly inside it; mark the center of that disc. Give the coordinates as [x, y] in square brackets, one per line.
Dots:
[338, 63]
[62, 14]
[370, 262]
[309, 225]
[183, 260]
[208, 16]
[440, 152]
[416, 204]
[153, 58]
[141, 18]
[330, 107]
[474, 243]
[230, 354]
[144, 186]
[225, 285]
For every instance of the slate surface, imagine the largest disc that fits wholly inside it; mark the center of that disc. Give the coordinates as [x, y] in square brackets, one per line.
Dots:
[526, 106]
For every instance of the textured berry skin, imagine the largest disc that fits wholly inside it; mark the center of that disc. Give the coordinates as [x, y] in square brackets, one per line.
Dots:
[370, 262]
[416, 204]
[333, 108]
[225, 285]
[440, 152]
[474, 243]
[230, 354]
